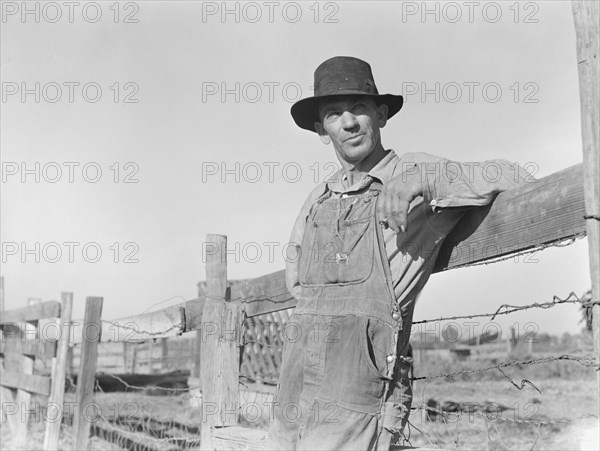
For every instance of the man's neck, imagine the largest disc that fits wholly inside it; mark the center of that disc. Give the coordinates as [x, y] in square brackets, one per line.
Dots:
[355, 172]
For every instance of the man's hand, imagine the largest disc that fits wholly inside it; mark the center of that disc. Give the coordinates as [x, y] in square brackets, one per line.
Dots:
[395, 200]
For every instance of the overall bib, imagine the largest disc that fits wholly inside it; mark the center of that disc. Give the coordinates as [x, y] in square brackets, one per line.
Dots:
[344, 378]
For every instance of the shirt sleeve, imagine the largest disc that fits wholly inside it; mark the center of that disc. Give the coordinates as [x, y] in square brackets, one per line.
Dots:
[451, 183]
[292, 278]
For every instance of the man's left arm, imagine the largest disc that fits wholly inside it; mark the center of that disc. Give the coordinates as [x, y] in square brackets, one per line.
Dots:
[446, 183]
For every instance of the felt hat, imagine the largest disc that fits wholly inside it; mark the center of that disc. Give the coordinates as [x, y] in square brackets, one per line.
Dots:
[341, 76]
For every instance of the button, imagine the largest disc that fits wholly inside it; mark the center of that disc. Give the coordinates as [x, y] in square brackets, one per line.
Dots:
[390, 358]
[344, 196]
[341, 258]
[347, 223]
[396, 316]
[433, 203]
[367, 199]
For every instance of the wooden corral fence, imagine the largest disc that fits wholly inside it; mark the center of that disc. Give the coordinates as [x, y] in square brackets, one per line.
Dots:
[42, 332]
[19, 348]
[560, 206]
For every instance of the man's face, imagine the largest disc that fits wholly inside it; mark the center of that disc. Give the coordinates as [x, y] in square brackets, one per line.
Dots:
[352, 125]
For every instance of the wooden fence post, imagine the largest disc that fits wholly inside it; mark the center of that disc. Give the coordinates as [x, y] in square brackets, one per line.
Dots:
[586, 17]
[194, 379]
[23, 397]
[221, 338]
[151, 356]
[92, 329]
[70, 358]
[1, 294]
[197, 347]
[164, 354]
[57, 390]
[3, 401]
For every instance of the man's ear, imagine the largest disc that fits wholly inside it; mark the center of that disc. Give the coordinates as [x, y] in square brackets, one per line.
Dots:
[382, 115]
[325, 139]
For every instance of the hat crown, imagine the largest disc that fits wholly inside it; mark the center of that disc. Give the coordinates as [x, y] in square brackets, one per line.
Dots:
[342, 74]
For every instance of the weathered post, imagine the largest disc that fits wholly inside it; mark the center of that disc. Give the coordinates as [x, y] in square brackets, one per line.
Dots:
[586, 16]
[3, 401]
[92, 329]
[57, 389]
[164, 354]
[1, 294]
[221, 337]
[151, 356]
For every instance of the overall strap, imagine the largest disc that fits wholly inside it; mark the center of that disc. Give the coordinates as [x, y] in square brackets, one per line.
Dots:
[314, 207]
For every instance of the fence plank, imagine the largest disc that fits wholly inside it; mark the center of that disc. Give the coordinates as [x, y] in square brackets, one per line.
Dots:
[546, 211]
[49, 309]
[264, 294]
[31, 383]
[92, 329]
[41, 349]
[57, 392]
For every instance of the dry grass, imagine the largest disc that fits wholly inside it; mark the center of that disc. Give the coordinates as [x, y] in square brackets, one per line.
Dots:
[560, 398]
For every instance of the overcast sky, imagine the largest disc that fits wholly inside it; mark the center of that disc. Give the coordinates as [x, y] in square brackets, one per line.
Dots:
[190, 103]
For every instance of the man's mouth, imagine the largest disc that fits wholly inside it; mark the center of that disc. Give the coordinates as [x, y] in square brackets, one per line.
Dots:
[354, 138]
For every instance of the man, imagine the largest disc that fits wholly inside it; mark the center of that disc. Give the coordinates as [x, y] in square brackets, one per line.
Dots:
[367, 241]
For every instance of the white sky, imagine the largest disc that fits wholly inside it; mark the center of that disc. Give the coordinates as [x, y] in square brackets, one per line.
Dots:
[174, 55]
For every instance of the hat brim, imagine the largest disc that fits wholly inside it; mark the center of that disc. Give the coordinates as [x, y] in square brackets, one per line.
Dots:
[305, 114]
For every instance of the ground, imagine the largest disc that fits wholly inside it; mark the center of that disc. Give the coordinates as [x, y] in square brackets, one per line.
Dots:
[559, 400]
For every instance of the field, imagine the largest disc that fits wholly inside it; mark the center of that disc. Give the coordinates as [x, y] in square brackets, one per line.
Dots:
[542, 406]
[560, 399]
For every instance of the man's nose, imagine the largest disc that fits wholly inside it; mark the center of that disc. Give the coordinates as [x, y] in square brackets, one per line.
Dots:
[349, 120]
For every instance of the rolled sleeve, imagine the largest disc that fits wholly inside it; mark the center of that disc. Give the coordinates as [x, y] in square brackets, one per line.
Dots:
[448, 183]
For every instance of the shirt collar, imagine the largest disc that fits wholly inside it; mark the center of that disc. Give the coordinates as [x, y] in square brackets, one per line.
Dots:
[383, 171]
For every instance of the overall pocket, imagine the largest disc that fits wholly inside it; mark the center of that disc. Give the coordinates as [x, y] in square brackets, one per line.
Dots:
[337, 252]
[377, 345]
[352, 379]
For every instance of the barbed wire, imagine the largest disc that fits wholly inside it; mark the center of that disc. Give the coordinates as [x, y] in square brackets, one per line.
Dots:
[572, 298]
[563, 242]
[259, 380]
[132, 326]
[587, 360]
[146, 387]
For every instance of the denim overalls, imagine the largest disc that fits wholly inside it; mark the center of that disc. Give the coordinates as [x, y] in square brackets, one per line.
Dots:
[344, 378]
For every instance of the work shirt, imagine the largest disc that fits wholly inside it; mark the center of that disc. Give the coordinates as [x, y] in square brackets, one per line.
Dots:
[451, 187]
[353, 391]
